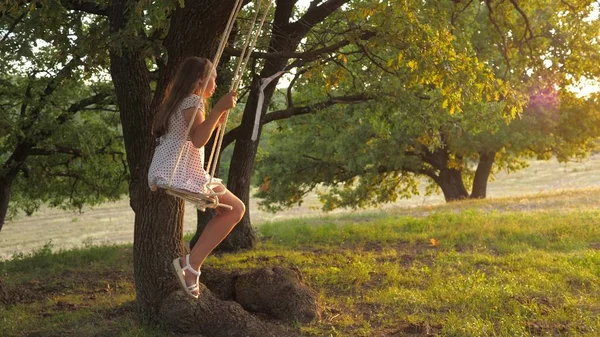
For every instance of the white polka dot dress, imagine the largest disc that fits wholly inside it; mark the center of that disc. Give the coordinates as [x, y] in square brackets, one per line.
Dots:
[190, 174]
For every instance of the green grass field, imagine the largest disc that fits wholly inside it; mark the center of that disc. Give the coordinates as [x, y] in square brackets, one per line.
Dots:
[483, 268]
[542, 183]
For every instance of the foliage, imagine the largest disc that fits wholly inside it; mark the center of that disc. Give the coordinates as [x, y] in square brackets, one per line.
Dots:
[450, 81]
[60, 127]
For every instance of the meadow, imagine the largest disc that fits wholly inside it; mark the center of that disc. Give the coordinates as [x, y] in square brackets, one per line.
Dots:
[473, 272]
[526, 265]
[112, 223]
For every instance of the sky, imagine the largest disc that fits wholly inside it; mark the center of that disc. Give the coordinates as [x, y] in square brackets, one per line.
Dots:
[303, 3]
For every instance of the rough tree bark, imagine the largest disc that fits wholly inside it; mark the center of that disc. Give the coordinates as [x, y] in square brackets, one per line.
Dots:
[447, 178]
[451, 182]
[156, 241]
[482, 175]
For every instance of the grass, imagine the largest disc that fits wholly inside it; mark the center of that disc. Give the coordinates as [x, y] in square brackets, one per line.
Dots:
[456, 271]
[70, 293]
[547, 184]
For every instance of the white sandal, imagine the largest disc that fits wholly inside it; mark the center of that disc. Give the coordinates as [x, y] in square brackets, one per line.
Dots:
[180, 272]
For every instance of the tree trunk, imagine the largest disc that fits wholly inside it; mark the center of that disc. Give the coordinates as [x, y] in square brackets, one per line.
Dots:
[284, 38]
[158, 217]
[244, 155]
[482, 174]
[9, 171]
[5, 189]
[451, 183]
[448, 179]
[240, 173]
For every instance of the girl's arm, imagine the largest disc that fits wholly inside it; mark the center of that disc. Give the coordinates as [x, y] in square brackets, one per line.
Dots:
[204, 127]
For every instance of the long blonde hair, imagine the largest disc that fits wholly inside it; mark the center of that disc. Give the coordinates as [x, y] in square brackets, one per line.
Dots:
[191, 72]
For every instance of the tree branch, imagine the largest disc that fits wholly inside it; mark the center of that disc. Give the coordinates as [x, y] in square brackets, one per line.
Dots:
[311, 54]
[231, 135]
[341, 168]
[314, 15]
[13, 25]
[57, 149]
[284, 9]
[290, 101]
[525, 18]
[297, 111]
[571, 7]
[84, 103]
[375, 62]
[90, 7]
[504, 44]
[23, 110]
[68, 150]
[74, 108]
[64, 73]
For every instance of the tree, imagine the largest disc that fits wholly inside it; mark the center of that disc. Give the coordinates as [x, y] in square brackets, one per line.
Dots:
[371, 154]
[60, 142]
[284, 51]
[285, 38]
[141, 45]
[155, 244]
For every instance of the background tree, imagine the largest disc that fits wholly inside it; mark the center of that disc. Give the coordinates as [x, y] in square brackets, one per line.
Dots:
[60, 140]
[371, 154]
[280, 53]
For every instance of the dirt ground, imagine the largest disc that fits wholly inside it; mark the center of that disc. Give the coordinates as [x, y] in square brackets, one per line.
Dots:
[112, 223]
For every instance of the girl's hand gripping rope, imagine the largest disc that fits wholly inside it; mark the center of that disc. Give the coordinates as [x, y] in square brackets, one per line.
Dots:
[227, 102]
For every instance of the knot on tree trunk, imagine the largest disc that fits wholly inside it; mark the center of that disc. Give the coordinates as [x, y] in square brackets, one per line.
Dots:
[210, 316]
[220, 282]
[278, 292]
[225, 299]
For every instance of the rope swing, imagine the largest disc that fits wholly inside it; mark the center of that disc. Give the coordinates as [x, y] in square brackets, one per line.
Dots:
[210, 199]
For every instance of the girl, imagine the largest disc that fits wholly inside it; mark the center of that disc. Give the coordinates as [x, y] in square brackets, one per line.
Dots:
[170, 124]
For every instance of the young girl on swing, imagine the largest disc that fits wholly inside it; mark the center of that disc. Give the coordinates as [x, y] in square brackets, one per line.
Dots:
[170, 124]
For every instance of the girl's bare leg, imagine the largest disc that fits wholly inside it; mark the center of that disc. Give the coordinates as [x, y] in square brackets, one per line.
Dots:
[215, 231]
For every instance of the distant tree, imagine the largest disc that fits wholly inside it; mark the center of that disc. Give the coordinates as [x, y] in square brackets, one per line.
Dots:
[60, 138]
[502, 97]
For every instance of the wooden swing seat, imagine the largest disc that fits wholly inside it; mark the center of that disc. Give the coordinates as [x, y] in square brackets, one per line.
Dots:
[202, 201]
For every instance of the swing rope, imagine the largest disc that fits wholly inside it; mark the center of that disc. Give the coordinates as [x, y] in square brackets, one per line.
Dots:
[211, 199]
[242, 63]
[235, 75]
